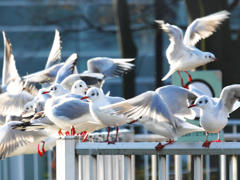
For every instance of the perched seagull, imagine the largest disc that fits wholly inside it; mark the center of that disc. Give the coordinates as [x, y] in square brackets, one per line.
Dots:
[214, 112]
[79, 87]
[67, 111]
[157, 116]
[98, 99]
[182, 54]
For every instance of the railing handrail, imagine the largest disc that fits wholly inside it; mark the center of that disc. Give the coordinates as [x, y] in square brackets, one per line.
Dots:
[148, 148]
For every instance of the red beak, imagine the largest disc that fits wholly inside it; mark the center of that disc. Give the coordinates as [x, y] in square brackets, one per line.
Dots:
[45, 92]
[215, 59]
[192, 105]
[84, 97]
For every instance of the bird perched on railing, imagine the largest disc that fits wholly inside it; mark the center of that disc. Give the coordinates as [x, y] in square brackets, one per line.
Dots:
[181, 53]
[159, 112]
[215, 111]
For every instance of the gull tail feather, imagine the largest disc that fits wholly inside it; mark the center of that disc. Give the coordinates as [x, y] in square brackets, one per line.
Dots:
[170, 72]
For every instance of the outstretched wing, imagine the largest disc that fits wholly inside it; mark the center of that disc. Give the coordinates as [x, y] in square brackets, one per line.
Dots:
[110, 67]
[229, 96]
[148, 105]
[204, 27]
[11, 139]
[67, 69]
[55, 53]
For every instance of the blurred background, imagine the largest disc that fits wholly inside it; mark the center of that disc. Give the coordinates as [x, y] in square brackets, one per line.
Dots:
[111, 28]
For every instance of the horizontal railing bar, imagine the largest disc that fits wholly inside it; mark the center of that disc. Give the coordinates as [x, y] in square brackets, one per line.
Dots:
[148, 148]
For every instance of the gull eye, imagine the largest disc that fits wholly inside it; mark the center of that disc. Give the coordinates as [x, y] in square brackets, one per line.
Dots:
[205, 56]
[31, 106]
[55, 88]
[200, 102]
[93, 94]
[51, 89]
[27, 108]
[80, 85]
[206, 101]
[97, 93]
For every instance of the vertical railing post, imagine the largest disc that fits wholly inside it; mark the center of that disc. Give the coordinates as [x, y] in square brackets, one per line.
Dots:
[66, 159]
[132, 167]
[207, 170]
[178, 167]
[198, 168]
[223, 171]
[100, 167]
[154, 167]
[116, 167]
[162, 169]
[233, 174]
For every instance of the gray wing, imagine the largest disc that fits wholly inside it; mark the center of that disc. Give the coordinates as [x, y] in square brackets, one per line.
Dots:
[229, 96]
[67, 69]
[93, 79]
[110, 67]
[9, 72]
[55, 53]
[175, 33]
[204, 27]
[148, 105]
[177, 100]
[11, 139]
[71, 109]
[44, 76]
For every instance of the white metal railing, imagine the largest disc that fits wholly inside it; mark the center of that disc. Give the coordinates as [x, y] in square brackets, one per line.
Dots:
[102, 161]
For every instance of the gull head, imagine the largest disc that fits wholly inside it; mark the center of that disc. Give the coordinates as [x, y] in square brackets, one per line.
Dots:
[28, 108]
[202, 102]
[209, 57]
[55, 90]
[79, 87]
[94, 94]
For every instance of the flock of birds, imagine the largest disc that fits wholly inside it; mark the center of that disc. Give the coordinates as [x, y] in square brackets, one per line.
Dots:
[73, 103]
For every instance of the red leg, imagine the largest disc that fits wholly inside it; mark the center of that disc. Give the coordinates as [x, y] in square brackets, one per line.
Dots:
[73, 131]
[39, 152]
[116, 138]
[43, 148]
[108, 134]
[206, 143]
[189, 76]
[85, 137]
[218, 140]
[182, 83]
[67, 133]
[60, 132]
[160, 146]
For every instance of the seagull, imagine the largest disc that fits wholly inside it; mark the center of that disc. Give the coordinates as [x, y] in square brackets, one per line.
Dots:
[110, 67]
[157, 116]
[67, 110]
[181, 53]
[97, 100]
[214, 112]
[79, 87]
